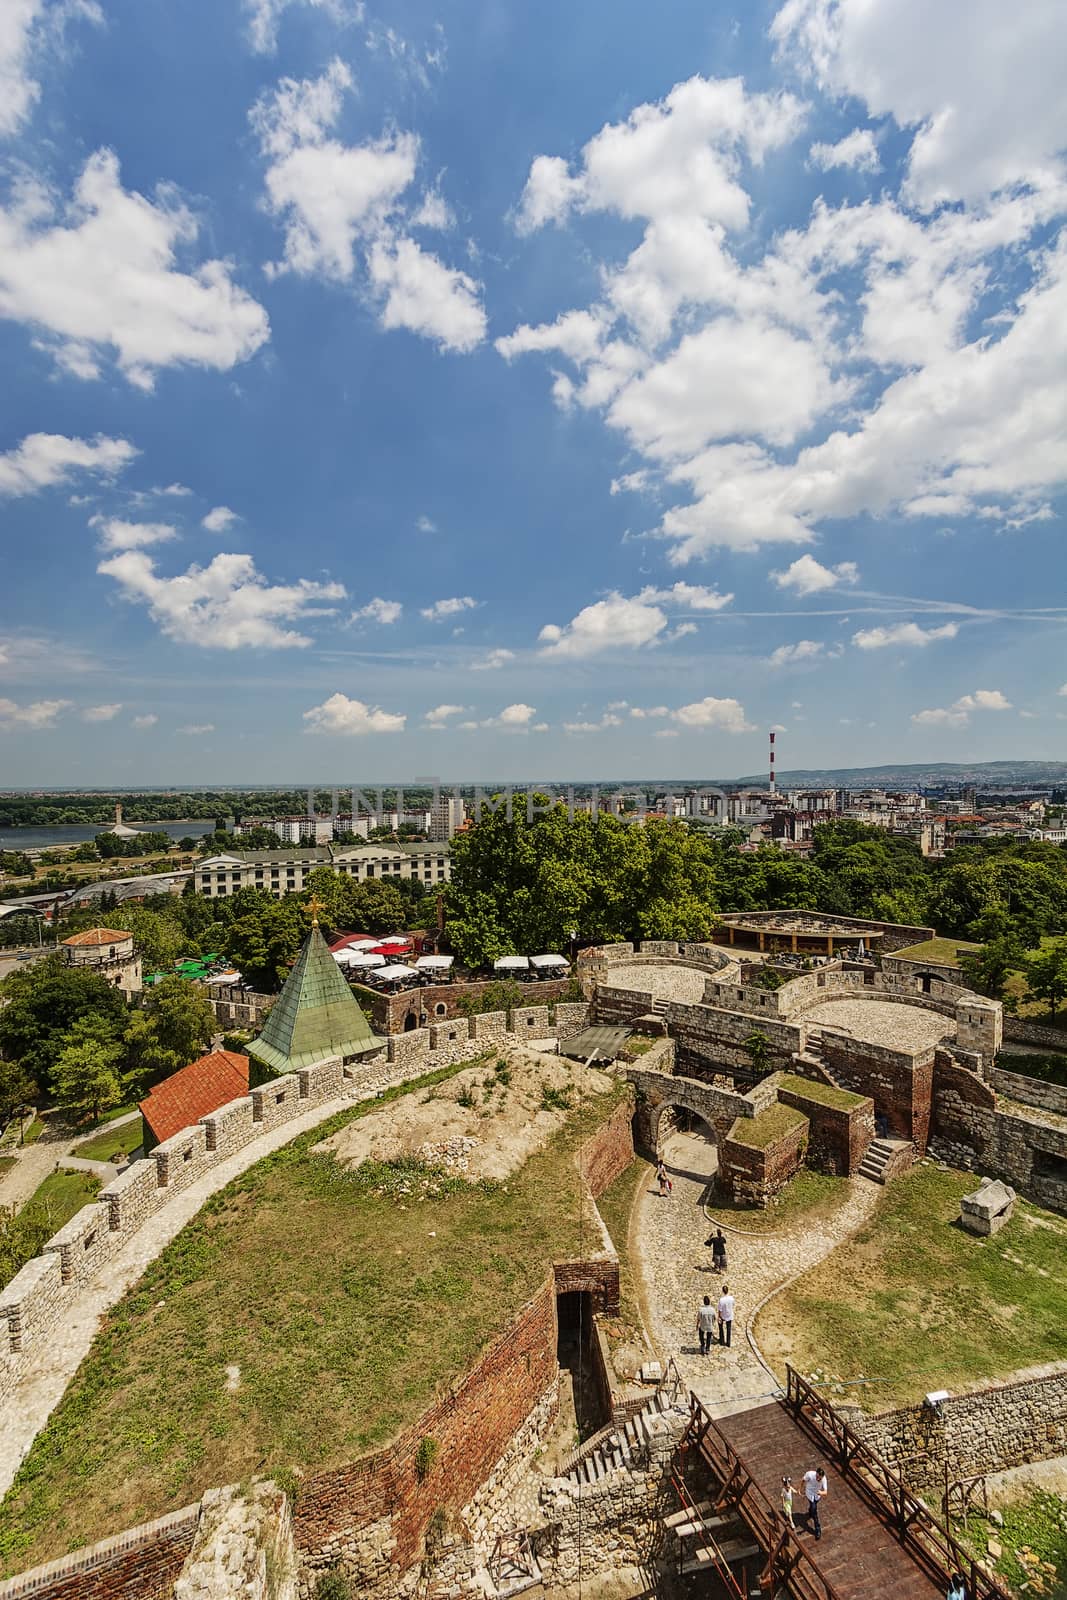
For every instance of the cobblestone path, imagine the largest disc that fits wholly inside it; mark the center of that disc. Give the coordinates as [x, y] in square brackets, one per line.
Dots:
[676, 1270]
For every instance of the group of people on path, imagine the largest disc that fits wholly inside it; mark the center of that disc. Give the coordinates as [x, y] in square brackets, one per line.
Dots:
[718, 1318]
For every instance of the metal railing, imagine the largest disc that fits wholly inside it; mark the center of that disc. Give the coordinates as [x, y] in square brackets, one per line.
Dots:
[787, 1561]
[927, 1540]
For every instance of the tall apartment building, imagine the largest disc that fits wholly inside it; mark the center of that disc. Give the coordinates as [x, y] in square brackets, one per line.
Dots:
[446, 816]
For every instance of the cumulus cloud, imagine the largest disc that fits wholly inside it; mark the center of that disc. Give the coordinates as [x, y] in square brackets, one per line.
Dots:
[728, 715]
[106, 713]
[493, 661]
[858, 149]
[193, 730]
[342, 210]
[690, 596]
[376, 610]
[120, 249]
[787, 655]
[26, 29]
[35, 715]
[984, 101]
[227, 605]
[608, 720]
[118, 534]
[808, 576]
[142, 723]
[611, 624]
[425, 524]
[45, 459]
[957, 715]
[903, 633]
[439, 716]
[517, 715]
[219, 519]
[448, 608]
[341, 715]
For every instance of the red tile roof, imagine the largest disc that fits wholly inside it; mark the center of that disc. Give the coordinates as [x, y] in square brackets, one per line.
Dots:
[99, 936]
[190, 1094]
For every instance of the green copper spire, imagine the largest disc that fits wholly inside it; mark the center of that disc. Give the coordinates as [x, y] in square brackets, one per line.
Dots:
[315, 1016]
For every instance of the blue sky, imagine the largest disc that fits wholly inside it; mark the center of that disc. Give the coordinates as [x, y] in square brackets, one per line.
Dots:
[499, 391]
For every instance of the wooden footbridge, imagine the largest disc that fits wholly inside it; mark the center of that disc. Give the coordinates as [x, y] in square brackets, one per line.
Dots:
[878, 1538]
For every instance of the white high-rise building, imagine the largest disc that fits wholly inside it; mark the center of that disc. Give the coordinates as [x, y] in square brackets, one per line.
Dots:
[446, 816]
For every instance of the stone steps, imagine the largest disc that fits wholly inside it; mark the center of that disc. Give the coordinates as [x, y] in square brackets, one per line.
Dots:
[604, 1455]
[880, 1153]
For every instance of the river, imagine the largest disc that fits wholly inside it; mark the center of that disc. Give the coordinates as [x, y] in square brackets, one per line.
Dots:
[81, 833]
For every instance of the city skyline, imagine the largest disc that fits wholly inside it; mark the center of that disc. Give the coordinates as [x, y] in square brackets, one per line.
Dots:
[572, 392]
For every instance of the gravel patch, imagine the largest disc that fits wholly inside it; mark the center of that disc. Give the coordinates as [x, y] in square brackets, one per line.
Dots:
[685, 984]
[884, 1022]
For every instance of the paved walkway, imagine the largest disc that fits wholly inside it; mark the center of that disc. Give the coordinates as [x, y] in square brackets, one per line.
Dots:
[676, 1270]
[34, 1162]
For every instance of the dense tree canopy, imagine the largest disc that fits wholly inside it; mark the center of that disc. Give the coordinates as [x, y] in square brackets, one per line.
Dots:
[44, 1001]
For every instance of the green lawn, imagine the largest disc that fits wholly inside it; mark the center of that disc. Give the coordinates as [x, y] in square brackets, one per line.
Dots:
[127, 1138]
[52, 1204]
[805, 1197]
[928, 1306]
[939, 952]
[825, 1094]
[1033, 1545]
[33, 1132]
[346, 1300]
[615, 1206]
[6, 1163]
[765, 1129]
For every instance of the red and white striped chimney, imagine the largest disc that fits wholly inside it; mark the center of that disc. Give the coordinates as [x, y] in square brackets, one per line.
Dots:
[773, 789]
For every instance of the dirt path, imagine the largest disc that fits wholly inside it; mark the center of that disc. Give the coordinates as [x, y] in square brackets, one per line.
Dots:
[675, 1266]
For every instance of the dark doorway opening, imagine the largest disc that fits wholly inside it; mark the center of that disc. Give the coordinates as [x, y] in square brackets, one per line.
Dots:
[579, 1377]
[411, 1022]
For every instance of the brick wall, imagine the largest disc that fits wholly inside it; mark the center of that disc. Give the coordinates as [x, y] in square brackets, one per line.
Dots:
[753, 1177]
[441, 1002]
[838, 1137]
[140, 1564]
[607, 1154]
[901, 1084]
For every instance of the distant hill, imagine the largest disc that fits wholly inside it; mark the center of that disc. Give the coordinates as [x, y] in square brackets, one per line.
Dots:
[894, 775]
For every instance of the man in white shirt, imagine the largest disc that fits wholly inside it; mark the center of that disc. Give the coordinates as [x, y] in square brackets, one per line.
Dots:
[726, 1315]
[815, 1488]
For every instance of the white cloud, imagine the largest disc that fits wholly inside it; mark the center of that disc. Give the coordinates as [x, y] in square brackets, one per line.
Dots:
[803, 650]
[120, 249]
[678, 157]
[339, 714]
[376, 610]
[641, 712]
[194, 729]
[808, 576]
[25, 30]
[433, 212]
[219, 519]
[493, 661]
[858, 149]
[174, 490]
[984, 99]
[448, 608]
[957, 715]
[227, 605]
[425, 525]
[44, 459]
[106, 713]
[517, 715]
[264, 16]
[1062, 689]
[37, 714]
[729, 715]
[438, 717]
[690, 595]
[611, 624]
[424, 295]
[118, 534]
[608, 720]
[577, 334]
[142, 723]
[902, 633]
[342, 210]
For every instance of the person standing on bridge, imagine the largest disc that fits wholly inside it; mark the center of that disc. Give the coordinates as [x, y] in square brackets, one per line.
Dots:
[957, 1589]
[815, 1487]
[726, 1315]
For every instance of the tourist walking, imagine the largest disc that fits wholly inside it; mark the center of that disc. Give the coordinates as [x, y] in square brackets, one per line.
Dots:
[662, 1179]
[706, 1325]
[815, 1488]
[718, 1251]
[957, 1589]
[787, 1501]
[726, 1315]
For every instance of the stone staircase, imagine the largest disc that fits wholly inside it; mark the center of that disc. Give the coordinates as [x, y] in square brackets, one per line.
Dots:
[884, 1159]
[615, 1447]
[659, 1006]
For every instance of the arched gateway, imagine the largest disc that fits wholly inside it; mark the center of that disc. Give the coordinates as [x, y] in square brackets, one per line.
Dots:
[658, 1092]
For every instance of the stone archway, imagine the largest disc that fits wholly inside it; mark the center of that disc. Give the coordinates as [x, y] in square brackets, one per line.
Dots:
[659, 1091]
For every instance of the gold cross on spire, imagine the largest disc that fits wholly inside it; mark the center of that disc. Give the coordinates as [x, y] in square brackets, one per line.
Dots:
[315, 905]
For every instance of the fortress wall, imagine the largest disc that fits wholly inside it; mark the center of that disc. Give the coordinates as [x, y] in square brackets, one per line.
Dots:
[140, 1564]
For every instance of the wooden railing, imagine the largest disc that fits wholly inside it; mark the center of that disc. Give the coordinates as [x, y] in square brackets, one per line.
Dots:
[787, 1563]
[927, 1540]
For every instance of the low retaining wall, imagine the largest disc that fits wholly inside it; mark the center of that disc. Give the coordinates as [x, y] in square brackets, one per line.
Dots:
[1031, 1091]
[838, 1136]
[1025, 1032]
[141, 1564]
[997, 1426]
[752, 1176]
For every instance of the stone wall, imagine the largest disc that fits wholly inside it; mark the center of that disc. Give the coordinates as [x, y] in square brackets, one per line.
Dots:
[1031, 1091]
[141, 1564]
[899, 1082]
[657, 1091]
[440, 1002]
[838, 1135]
[1025, 1032]
[1026, 1148]
[997, 1426]
[716, 1035]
